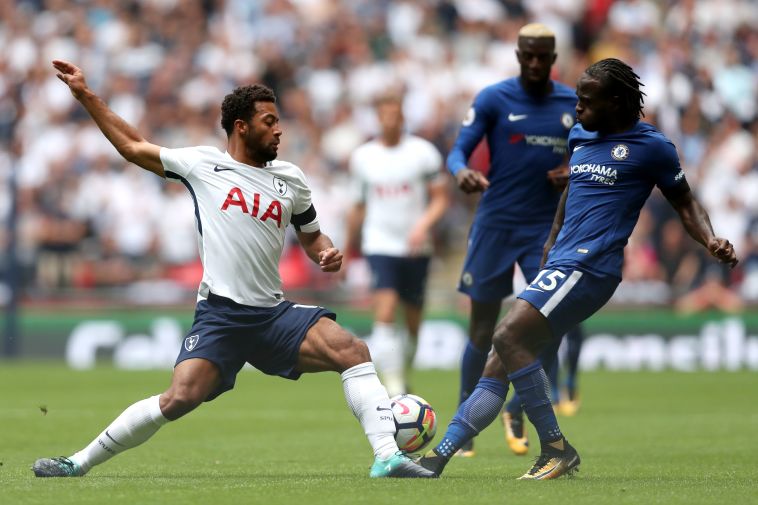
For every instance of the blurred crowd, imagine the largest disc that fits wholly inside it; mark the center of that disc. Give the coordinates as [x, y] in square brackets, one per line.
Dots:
[87, 221]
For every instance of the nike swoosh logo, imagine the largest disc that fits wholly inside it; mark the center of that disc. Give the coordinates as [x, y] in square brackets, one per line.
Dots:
[516, 117]
[529, 288]
[216, 169]
[577, 148]
[380, 409]
[112, 439]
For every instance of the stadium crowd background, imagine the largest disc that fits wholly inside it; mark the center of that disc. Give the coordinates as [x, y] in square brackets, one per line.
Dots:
[90, 224]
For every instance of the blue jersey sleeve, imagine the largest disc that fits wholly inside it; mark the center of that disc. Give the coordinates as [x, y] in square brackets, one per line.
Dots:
[475, 125]
[667, 172]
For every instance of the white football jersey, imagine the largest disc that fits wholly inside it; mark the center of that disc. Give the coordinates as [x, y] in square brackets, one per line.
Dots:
[242, 213]
[392, 181]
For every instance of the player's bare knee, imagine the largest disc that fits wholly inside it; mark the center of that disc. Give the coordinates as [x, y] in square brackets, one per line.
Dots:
[176, 402]
[505, 339]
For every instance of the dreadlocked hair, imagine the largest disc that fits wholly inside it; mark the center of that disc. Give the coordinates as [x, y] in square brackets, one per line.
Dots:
[240, 104]
[619, 80]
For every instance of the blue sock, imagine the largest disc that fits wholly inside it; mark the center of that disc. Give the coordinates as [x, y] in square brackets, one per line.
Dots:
[475, 414]
[532, 386]
[549, 361]
[472, 366]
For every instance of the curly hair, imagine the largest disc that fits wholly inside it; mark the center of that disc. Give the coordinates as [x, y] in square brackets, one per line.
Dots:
[240, 104]
[619, 79]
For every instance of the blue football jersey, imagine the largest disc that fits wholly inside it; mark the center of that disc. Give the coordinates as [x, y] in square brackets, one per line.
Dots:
[527, 136]
[610, 179]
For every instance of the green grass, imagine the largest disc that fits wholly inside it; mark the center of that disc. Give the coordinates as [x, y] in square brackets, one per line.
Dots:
[644, 438]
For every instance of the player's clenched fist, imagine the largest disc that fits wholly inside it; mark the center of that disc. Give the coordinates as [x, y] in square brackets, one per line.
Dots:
[71, 75]
[330, 259]
[723, 250]
[471, 181]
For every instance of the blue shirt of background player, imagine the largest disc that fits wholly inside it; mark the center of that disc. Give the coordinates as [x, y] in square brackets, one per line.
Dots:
[527, 136]
[609, 180]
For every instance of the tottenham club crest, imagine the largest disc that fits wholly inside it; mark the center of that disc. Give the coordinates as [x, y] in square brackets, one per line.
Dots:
[280, 186]
[620, 152]
[191, 341]
[567, 120]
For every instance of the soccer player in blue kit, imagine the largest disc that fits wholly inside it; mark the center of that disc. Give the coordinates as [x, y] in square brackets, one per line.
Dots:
[616, 162]
[526, 121]
[244, 199]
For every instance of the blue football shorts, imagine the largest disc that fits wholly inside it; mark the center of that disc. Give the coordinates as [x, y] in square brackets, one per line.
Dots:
[566, 296]
[404, 274]
[229, 335]
[492, 253]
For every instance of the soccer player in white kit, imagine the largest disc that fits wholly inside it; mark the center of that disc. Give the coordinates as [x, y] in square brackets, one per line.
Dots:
[399, 193]
[243, 202]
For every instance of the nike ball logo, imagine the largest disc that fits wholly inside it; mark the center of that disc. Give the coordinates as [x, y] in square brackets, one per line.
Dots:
[516, 117]
[216, 169]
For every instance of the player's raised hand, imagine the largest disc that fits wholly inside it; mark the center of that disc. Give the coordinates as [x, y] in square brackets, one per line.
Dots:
[72, 76]
[471, 181]
[330, 259]
[723, 250]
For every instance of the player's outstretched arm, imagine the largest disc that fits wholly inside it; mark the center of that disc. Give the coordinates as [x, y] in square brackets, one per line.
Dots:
[557, 225]
[321, 250]
[124, 137]
[697, 223]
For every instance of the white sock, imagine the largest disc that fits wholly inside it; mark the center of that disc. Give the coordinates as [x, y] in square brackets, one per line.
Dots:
[136, 424]
[370, 404]
[388, 353]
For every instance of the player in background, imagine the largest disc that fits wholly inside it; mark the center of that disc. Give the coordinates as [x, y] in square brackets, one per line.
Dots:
[526, 121]
[244, 200]
[400, 193]
[616, 161]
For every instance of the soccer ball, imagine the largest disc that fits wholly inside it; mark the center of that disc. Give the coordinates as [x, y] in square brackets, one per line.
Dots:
[415, 422]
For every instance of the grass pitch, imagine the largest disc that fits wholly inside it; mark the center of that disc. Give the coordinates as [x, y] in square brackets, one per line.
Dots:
[648, 438]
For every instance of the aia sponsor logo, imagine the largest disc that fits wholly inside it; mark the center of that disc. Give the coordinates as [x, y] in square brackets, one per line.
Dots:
[236, 198]
[390, 190]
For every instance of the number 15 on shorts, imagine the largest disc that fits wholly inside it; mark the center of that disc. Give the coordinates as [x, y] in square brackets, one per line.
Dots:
[546, 280]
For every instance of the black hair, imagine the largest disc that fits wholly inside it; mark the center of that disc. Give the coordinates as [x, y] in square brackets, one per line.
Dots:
[618, 79]
[240, 104]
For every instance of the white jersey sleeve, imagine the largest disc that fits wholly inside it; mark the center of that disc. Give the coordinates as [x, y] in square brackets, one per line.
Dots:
[181, 161]
[304, 217]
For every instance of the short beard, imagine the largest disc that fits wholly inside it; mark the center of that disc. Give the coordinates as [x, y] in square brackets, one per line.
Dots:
[269, 155]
